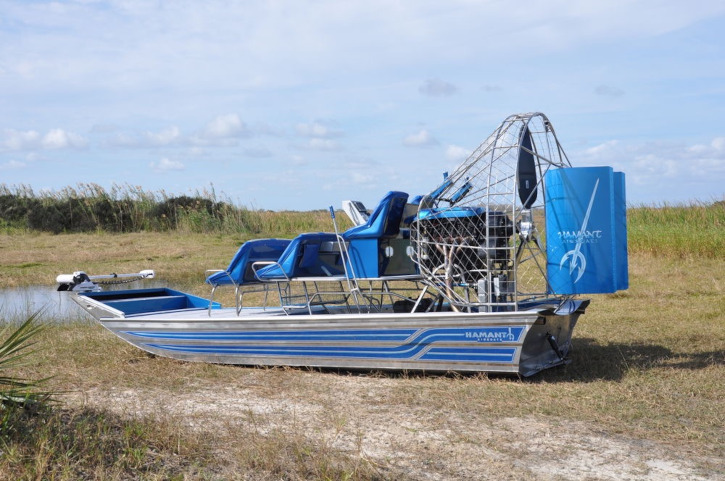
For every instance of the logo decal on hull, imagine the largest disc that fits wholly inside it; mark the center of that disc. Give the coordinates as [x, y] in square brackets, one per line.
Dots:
[492, 335]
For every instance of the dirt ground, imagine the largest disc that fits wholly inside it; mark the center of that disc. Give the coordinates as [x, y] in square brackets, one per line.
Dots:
[352, 414]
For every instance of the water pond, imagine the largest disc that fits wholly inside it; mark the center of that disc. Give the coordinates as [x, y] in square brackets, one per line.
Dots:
[19, 303]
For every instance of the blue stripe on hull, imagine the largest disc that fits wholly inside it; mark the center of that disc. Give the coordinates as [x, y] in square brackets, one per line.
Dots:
[499, 355]
[476, 344]
[474, 334]
[352, 335]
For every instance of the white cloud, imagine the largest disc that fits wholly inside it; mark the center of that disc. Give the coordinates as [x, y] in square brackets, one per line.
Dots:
[421, 139]
[354, 164]
[325, 145]
[317, 129]
[125, 140]
[165, 137]
[650, 166]
[258, 152]
[228, 126]
[718, 144]
[263, 128]
[603, 150]
[362, 178]
[662, 170]
[166, 165]
[60, 139]
[54, 139]
[282, 46]
[240, 45]
[21, 140]
[223, 130]
[12, 165]
[298, 161]
[454, 153]
[437, 88]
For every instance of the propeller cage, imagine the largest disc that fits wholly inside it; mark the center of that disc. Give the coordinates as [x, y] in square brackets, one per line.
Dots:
[476, 236]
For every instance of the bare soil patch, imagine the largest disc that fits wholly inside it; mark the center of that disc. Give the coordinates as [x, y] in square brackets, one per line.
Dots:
[370, 417]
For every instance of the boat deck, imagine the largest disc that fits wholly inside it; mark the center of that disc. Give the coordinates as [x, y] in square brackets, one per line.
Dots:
[200, 314]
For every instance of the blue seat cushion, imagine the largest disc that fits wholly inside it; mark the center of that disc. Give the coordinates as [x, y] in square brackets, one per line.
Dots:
[304, 258]
[240, 269]
[384, 221]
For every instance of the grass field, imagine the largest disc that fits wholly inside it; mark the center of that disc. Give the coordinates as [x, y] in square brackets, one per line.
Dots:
[642, 399]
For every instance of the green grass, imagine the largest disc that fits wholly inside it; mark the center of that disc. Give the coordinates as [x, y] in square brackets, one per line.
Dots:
[71, 444]
[15, 347]
[695, 230]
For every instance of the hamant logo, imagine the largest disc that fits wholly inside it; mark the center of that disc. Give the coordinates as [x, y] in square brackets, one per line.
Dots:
[575, 257]
[492, 335]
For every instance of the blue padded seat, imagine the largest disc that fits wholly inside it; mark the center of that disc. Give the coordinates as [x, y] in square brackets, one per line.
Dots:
[240, 269]
[308, 255]
[384, 222]
[367, 242]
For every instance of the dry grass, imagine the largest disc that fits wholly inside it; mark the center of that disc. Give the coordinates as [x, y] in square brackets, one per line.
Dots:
[642, 399]
[176, 257]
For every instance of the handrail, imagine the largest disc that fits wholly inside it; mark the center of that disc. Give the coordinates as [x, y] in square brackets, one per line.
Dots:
[352, 283]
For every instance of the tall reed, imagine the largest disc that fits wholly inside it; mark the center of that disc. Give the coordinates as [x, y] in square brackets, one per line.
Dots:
[127, 208]
[684, 230]
[694, 229]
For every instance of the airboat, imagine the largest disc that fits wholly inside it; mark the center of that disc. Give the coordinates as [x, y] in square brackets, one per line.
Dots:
[484, 272]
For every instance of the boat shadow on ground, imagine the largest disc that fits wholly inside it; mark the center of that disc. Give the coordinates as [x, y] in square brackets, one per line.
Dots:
[592, 361]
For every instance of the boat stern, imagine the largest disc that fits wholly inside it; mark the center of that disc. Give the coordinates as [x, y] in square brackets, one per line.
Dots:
[548, 342]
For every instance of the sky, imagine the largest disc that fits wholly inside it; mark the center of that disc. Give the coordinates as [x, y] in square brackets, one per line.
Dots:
[300, 104]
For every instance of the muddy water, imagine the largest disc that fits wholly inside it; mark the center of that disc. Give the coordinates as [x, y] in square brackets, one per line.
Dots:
[18, 303]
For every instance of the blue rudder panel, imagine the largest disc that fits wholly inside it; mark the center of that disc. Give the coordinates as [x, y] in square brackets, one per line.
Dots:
[620, 216]
[586, 230]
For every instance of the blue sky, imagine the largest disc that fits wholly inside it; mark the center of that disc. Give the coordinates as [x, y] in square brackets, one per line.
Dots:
[301, 104]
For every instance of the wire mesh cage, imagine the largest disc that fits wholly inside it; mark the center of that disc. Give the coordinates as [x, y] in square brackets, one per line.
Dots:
[476, 238]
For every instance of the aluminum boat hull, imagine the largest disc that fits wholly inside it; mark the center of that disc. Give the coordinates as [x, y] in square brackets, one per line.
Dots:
[522, 342]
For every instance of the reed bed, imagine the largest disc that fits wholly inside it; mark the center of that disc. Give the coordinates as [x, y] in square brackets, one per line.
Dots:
[695, 229]
[125, 208]
[686, 230]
